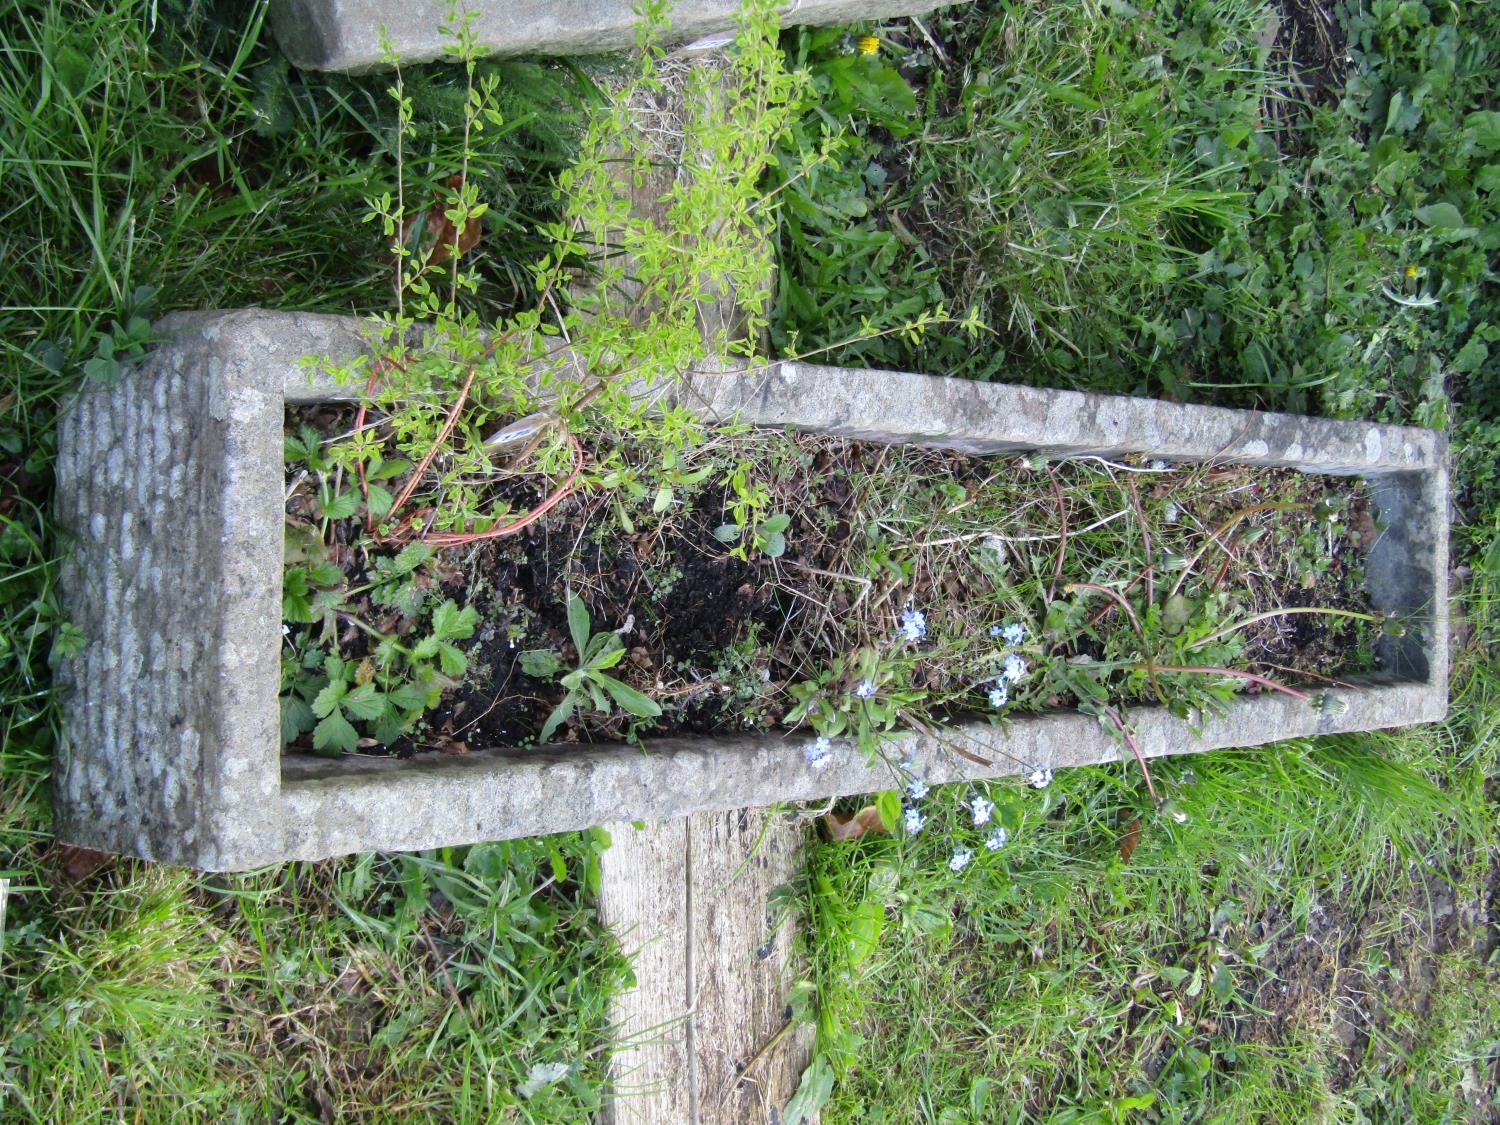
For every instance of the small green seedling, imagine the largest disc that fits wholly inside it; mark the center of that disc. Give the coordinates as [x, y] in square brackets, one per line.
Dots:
[748, 523]
[589, 681]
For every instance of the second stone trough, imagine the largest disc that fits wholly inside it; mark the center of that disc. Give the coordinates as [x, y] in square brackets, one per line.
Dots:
[171, 481]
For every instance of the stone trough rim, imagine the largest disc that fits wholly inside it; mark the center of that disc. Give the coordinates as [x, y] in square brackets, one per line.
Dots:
[314, 808]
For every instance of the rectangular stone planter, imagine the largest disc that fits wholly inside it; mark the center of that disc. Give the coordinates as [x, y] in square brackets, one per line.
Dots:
[346, 34]
[171, 481]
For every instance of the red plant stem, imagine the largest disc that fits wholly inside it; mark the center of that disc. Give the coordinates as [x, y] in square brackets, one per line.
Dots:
[1105, 590]
[1135, 749]
[448, 424]
[457, 539]
[1251, 676]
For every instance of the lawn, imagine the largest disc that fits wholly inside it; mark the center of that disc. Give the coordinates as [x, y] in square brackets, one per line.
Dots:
[1240, 203]
[1231, 202]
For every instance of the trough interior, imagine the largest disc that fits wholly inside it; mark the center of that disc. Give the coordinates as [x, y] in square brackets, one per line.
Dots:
[1398, 578]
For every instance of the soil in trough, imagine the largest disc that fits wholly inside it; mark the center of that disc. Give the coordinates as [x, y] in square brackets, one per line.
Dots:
[971, 542]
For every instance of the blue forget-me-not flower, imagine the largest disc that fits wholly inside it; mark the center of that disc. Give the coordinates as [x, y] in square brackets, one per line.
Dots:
[818, 752]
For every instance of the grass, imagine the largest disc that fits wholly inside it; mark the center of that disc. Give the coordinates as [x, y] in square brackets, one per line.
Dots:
[1106, 954]
[1136, 199]
[1212, 240]
[157, 156]
[1308, 943]
[379, 987]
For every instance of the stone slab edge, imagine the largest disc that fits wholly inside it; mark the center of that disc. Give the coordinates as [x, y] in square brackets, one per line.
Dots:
[334, 808]
[346, 34]
[510, 793]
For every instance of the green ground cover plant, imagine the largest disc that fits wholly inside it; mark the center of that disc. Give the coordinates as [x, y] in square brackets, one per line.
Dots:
[1158, 200]
[1300, 935]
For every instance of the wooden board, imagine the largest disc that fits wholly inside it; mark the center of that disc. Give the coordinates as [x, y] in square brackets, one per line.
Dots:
[704, 1035]
[643, 899]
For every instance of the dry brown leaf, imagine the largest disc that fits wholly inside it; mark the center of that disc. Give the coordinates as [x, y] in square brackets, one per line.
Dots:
[1130, 839]
[79, 863]
[851, 826]
[438, 232]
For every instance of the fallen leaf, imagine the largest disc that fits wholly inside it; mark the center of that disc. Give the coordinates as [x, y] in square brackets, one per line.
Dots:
[438, 232]
[79, 863]
[847, 826]
[1130, 839]
[1366, 533]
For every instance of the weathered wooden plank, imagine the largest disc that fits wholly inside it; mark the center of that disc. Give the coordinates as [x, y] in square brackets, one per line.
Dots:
[703, 1037]
[643, 897]
[747, 1059]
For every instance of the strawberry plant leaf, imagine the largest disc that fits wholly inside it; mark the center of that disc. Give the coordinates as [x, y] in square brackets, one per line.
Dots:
[341, 507]
[365, 702]
[328, 699]
[334, 736]
[451, 660]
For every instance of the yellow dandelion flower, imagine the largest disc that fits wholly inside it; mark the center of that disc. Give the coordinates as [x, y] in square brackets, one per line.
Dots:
[1411, 272]
[868, 45]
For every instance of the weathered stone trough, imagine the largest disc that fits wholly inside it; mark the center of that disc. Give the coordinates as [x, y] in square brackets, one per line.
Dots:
[347, 34]
[172, 482]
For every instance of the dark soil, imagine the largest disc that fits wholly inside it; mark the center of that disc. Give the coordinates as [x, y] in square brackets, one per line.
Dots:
[715, 640]
[1309, 48]
[1366, 966]
[684, 598]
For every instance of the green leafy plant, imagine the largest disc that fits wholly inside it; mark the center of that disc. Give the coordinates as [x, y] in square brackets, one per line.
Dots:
[424, 476]
[749, 524]
[389, 689]
[125, 341]
[589, 681]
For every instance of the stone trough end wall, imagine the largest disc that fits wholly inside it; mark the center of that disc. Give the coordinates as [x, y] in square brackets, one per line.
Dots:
[171, 484]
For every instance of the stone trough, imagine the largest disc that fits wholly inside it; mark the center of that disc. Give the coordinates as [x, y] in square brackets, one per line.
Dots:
[171, 480]
[348, 35]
